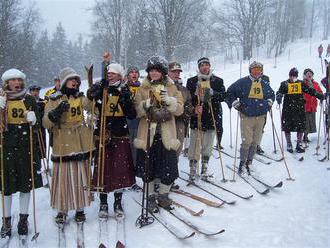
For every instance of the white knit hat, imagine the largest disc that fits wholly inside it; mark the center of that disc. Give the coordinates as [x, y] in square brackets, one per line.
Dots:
[11, 74]
[68, 73]
[116, 68]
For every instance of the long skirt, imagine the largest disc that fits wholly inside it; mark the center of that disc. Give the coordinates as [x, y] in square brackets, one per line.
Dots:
[310, 122]
[69, 186]
[163, 163]
[118, 166]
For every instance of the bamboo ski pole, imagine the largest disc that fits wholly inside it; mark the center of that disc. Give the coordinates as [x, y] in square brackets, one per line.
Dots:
[42, 149]
[2, 168]
[319, 131]
[281, 147]
[218, 143]
[230, 130]
[36, 234]
[236, 145]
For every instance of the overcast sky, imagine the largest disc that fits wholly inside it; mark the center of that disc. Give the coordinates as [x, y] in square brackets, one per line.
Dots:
[73, 14]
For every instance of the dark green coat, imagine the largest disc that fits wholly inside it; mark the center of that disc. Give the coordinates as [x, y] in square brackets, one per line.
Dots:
[16, 154]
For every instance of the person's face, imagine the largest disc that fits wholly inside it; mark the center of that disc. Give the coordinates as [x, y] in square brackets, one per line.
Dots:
[155, 74]
[57, 84]
[15, 84]
[174, 75]
[256, 72]
[293, 78]
[35, 93]
[309, 75]
[113, 77]
[204, 68]
[133, 76]
[72, 83]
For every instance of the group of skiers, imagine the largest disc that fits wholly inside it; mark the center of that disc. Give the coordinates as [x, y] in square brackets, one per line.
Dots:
[127, 128]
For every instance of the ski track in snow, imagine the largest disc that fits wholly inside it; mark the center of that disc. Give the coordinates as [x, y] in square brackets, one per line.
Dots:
[296, 215]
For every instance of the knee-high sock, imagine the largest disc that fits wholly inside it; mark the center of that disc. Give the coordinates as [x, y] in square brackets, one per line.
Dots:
[164, 189]
[299, 136]
[24, 201]
[8, 200]
[288, 138]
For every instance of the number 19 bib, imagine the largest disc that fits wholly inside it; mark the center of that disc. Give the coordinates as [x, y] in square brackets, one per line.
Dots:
[256, 91]
[16, 111]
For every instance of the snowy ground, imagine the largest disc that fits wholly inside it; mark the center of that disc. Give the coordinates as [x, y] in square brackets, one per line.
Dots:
[297, 215]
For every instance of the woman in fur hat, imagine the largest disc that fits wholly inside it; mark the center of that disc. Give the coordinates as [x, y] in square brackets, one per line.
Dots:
[158, 101]
[118, 167]
[71, 147]
[20, 112]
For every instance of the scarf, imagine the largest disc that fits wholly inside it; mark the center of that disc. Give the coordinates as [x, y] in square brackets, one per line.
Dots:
[16, 95]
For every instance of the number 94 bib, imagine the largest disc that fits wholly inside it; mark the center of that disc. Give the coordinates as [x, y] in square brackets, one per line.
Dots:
[16, 110]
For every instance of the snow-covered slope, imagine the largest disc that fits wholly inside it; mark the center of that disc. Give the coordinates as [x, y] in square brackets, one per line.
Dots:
[296, 215]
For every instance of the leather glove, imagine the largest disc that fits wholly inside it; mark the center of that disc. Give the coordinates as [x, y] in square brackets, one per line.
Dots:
[3, 100]
[279, 98]
[164, 96]
[236, 104]
[104, 83]
[94, 92]
[31, 117]
[55, 114]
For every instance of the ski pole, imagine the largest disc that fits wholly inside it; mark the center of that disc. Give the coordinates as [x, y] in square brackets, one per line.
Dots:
[236, 144]
[319, 131]
[36, 234]
[91, 148]
[274, 144]
[230, 130]
[281, 147]
[2, 168]
[42, 149]
[218, 143]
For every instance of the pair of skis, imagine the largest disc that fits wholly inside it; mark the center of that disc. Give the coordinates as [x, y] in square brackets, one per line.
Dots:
[120, 231]
[80, 237]
[255, 182]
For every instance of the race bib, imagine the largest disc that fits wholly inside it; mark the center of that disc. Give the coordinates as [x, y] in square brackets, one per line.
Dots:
[75, 113]
[113, 108]
[294, 88]
[16, 111]
[205, 84]
[134, 90]
[256, 91]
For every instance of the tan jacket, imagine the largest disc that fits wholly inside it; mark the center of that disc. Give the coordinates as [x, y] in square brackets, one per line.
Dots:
[168, 129]
[73, 137]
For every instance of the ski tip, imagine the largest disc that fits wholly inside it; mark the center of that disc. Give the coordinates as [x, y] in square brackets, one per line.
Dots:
[279, 185]
[301, 159]
[199, 213]
[266, 191]
[189, 235]
[102, 246]
[231, 203]
[120, 244]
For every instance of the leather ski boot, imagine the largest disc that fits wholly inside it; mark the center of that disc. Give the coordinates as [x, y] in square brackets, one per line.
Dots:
[60, 218]
[192, 174]
[80, 216]
[152, 204]
[299, 148]
[117, 207]
[6, 227]
[164, 201]
[103, 211]
[23, 224]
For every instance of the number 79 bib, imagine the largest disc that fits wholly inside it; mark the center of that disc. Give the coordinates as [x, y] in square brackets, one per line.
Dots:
[16, 111]
[294, 88]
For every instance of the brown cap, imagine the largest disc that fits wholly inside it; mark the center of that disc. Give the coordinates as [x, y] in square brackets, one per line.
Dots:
[174, 66]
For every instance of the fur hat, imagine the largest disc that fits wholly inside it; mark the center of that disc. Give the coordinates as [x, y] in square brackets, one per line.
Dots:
[12, 74]
[293, 72]
[132, 68]
[116, 68]
[157, 63]
[203, 60]
[174, 66]
[68, 73]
